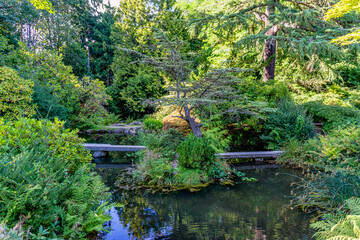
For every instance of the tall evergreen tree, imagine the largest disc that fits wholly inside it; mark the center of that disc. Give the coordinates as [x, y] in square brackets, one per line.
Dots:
[297, 27]
[135, 81]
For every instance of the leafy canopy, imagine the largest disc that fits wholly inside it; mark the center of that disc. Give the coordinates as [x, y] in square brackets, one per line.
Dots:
[340, 9]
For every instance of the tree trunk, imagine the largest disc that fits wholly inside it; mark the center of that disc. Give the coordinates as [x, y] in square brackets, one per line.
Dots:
[270, 46]
[195, 127]
[88, 60]
[269, 53]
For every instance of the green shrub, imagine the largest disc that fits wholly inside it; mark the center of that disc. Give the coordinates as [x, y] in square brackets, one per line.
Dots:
[166, 141]
[197, 153]
[332, 116]
[196, 165]
[37, 187]
[15, 94]
[190, 177]
[47, 105]
[340, 226]
[349, 73]
[154, 169]
[152, 124]
[326, 191]
[257, 90]
[288, 122]
[29, 133]
[339, 149]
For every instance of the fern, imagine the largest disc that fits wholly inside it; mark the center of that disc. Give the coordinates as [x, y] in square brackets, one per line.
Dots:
[339, 227]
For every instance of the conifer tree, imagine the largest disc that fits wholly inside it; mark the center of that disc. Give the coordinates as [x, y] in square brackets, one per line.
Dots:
[340, 9]
[297, 27]
[133, 29]
[189, 88]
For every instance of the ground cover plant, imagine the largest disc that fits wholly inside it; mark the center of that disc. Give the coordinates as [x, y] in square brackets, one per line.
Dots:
[47, 187]
[332, 179]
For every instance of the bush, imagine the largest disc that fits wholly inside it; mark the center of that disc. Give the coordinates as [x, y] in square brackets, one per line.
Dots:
[37, 188]
[163, 141]
[46, 181]
[152, 124]
[29, 133]
[332, 116]
[47, 105]
[197, 153]
[257, 90]
[340, 226]
[154, 169]
[326, 191]
[339, 149]
[15, 94]
[288, 122]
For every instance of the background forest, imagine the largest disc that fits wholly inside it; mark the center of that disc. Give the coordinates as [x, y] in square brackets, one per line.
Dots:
[244, 75]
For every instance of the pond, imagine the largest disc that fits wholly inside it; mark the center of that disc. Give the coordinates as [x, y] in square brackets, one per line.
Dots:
[256, 210]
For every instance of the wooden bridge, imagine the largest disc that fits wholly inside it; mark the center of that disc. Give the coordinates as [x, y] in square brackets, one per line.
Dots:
[112, 148]
[228, 155]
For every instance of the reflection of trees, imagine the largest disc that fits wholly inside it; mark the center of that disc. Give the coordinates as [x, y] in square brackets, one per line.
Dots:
[247, 211]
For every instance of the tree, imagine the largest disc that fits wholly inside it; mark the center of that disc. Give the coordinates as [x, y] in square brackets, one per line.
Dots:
[188, 90]
[134, 81]
[15, 94]
[295, 27]
[340, 9]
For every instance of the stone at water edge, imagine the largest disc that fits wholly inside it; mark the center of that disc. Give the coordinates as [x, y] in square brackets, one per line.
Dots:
[118, 124]
[135, 123]
[99, 154]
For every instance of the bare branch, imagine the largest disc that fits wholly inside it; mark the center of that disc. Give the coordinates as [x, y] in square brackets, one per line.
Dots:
[301, 3]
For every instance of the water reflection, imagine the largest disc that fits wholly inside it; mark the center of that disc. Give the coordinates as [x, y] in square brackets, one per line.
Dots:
[246, 211]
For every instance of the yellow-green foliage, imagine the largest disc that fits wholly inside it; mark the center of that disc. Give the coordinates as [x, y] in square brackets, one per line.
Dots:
[340, 9]
[15, 94]
[24, 133]
[52, 72]
[334, 95]
[43, 5]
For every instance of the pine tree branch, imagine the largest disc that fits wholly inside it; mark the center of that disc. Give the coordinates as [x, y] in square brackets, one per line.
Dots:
[260, 16]
[301, 3]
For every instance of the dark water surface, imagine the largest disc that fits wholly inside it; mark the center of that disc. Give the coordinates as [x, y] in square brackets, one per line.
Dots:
[255, 210]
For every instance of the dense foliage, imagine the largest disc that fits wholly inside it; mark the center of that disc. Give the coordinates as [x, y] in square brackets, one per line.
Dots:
[196, 153]
[244, 75]
[15, 94]
[173, 163]
[288, 122]
[47, 186]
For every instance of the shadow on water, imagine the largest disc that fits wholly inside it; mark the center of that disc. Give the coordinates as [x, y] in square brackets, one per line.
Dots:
[256, 210]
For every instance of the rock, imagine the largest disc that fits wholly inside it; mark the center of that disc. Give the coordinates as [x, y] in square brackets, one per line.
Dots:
[90, 131]
[177, 123]
[135, 123]
[99, 154]
[118, 125]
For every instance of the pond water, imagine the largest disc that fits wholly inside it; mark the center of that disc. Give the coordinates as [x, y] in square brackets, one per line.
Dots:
[256, 210]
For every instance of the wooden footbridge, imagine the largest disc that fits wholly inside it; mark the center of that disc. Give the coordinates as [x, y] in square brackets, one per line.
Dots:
[228, 155]
[112, 148]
